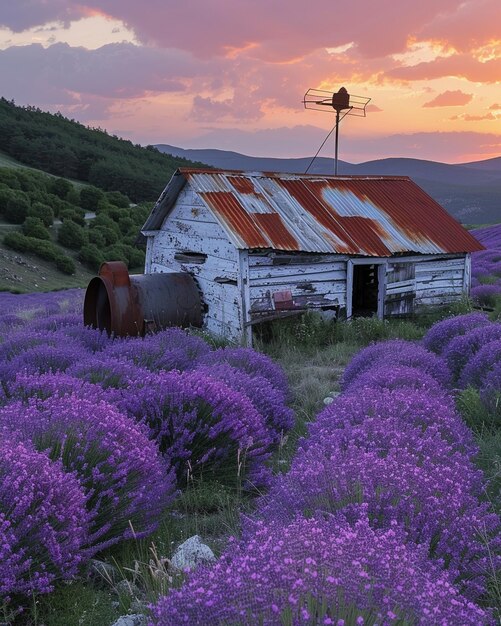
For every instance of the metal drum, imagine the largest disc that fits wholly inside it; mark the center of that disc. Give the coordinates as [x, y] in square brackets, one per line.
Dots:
[125, 305]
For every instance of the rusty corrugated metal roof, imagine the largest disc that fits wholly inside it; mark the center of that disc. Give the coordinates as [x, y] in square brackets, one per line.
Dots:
[356, 215]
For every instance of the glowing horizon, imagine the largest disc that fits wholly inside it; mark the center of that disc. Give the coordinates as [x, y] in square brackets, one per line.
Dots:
[233, 80]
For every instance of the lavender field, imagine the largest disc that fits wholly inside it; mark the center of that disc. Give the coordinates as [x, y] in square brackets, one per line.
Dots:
[387, 512]
[486, 267]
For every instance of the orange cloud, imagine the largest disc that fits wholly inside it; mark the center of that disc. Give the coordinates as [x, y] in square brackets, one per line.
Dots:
[473, 118]
[457, 65]
[450, 99]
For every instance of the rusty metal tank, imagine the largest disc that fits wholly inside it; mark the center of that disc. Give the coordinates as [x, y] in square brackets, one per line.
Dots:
[133, 305]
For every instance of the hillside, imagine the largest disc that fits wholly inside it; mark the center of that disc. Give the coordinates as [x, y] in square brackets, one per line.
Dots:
[68, 149]
[471, 192]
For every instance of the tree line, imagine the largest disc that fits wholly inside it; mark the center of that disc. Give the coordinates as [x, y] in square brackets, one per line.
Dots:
[66, 148]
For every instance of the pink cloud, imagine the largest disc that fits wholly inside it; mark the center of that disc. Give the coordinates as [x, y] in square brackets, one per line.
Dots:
[457, 65]
[450, 99]
[495, 107]
[373, 108]
[281, 30]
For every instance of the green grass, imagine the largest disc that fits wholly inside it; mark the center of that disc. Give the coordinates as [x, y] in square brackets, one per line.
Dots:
[25, 273]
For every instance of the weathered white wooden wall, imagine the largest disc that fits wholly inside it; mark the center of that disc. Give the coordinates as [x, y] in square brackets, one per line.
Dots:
[441, 281]
[316, 281]
[191, 228]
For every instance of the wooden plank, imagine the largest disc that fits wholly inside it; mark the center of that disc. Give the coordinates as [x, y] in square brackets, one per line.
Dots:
[467, 275]
[257, 259]
[245, 301]
[439, 284]
[296, 271]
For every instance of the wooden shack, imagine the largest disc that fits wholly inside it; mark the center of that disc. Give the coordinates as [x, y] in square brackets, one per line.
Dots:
[265, 245]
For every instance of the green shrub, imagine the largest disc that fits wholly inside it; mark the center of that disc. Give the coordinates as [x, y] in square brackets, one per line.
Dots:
[73, 214]
[117, 252]
[73, 196]
[71, 235]
[34, 227]
[91, 256]
[96, 237]
[90, 197]
[109, 234]
[136, 257]
[44, 249]
[6, 194]
[43, 212]
[65, 264]
[60, 187]
[17, 241]
[126, 225]
[16, 209]
[117, 199]
[8, 177]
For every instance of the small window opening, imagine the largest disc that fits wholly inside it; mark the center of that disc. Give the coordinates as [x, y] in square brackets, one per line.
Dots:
[190, 257]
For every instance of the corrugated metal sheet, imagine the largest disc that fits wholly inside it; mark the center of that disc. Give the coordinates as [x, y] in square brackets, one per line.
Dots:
[367, 216]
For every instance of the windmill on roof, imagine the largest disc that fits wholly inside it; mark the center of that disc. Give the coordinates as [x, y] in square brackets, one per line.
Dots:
[342, 103]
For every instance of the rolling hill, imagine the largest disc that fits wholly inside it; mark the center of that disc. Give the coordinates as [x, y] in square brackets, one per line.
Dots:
[471, 192]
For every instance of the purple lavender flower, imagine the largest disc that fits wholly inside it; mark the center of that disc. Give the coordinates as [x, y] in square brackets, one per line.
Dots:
[106, 371]
[43, 521]
[43, 386]
[41, 358]
[401, 475]
[172, 348]
[268, 400]
[202, 425]
[252, 362]
[476, 370]
[394, 377]
[126, 482]
[440, 334]
[486, 295]
[490, 392]
[20, 341]
[489, 236]
[396, 352]
[463, 348]
[319, 571]
[414, 407]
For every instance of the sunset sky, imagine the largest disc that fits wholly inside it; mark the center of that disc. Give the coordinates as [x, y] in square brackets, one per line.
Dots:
[231, 74]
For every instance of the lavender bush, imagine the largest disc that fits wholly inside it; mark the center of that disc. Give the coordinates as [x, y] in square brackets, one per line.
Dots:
[41, 359]
[266, 399]
[106, 371]
[395, 352]
[204, 426]
[43, 521]
[394, 377]
[490, 392]
[399, 474]
[463, 348]
[170, 349]
[252, 362]
[417, 408]
[319, 571]
[475, 372]
[126, 482]
[440, 334]
[486, 295]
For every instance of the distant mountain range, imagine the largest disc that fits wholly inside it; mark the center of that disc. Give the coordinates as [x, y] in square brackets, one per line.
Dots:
[471, 192]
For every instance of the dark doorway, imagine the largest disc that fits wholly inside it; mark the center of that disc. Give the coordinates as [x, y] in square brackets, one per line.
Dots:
[365, 290]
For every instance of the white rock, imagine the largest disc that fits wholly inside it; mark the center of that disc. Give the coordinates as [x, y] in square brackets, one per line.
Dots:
[192, 553]
[131, 620]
